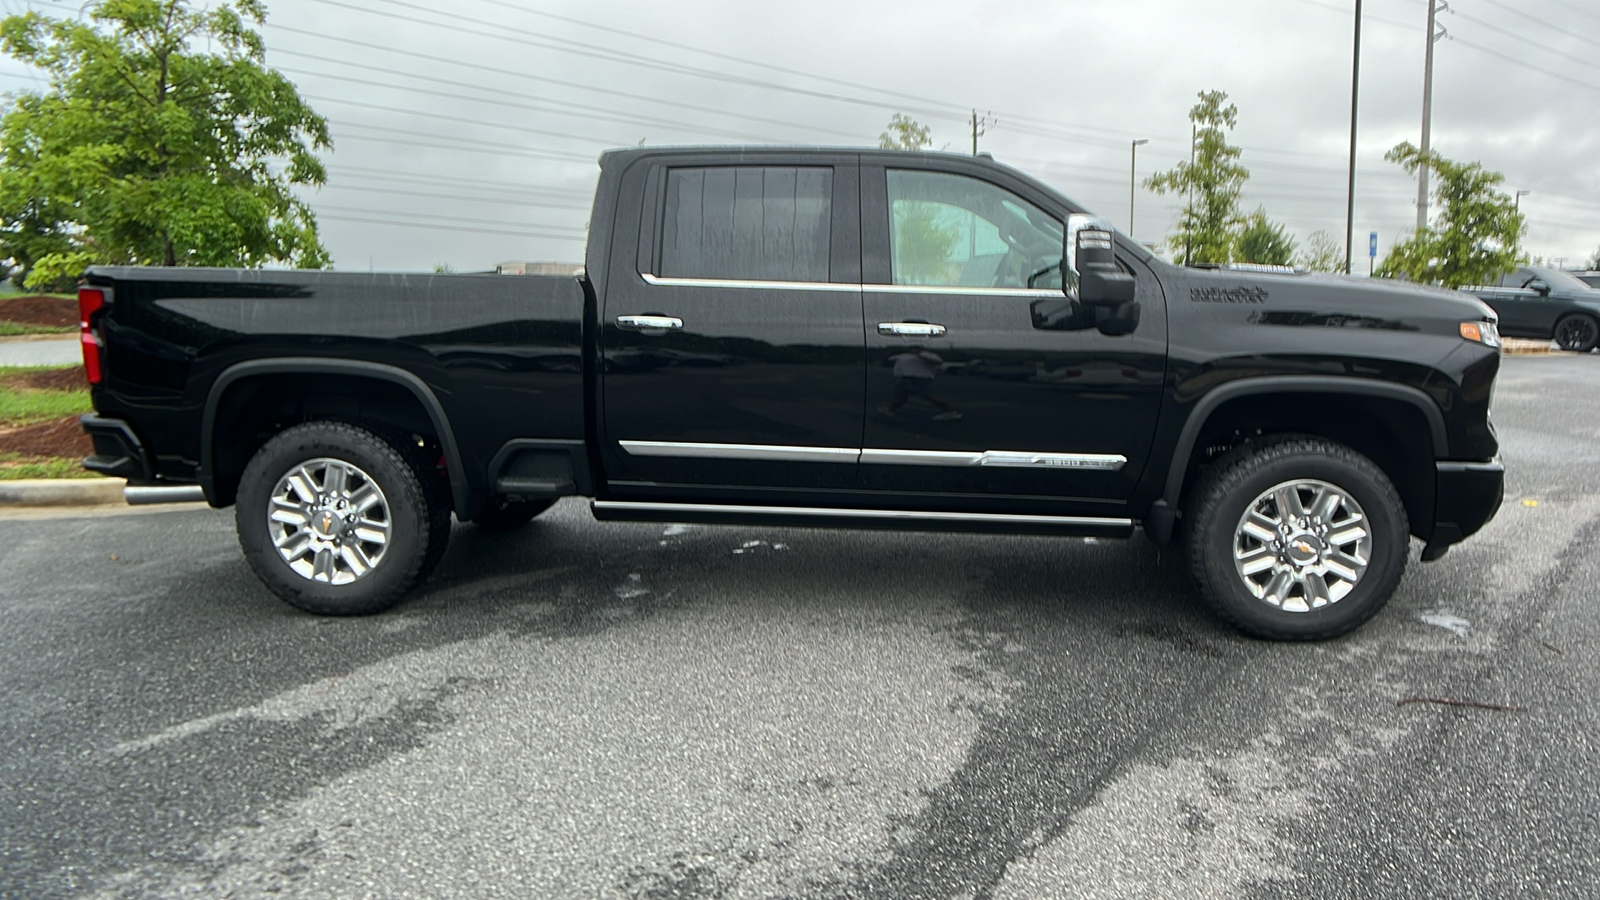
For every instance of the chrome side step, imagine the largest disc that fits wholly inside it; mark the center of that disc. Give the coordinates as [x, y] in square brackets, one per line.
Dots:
[877, 519]
[143, 494]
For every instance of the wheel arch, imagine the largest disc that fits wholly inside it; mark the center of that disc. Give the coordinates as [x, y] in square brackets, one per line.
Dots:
[1386, 422]
[220, 485]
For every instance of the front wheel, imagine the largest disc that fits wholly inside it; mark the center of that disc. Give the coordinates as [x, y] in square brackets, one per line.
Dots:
[1298, 539]
[1577, 333]
[338, 521]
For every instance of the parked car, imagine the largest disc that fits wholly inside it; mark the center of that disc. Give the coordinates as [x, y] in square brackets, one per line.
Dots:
[741, 314]
[1545, 304]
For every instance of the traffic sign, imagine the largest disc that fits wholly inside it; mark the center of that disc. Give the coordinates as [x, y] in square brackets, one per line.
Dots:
[1372, 245]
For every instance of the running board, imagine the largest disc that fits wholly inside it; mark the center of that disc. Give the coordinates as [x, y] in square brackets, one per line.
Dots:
[876, 519]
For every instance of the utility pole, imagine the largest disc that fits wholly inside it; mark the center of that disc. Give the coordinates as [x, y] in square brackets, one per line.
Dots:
[1434, 34]
[980, 127]
[1355, 94]
[1188, 231]
[1133, 178]
[1516, 201]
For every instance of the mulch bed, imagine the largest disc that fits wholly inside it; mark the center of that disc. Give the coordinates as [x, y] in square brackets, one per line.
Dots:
[54, 312]
[57, 437]
[69, 379]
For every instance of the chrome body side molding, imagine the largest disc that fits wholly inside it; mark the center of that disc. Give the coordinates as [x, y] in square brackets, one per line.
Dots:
[1098, 462]
[765, 452]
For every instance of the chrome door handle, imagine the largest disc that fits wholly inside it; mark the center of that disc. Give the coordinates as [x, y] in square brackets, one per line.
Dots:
[910, 329]
[650, 323]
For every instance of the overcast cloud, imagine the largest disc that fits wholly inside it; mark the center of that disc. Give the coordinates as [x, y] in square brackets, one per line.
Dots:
[450, 149]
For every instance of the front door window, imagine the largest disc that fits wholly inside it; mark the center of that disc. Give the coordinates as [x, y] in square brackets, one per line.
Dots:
[954, 231]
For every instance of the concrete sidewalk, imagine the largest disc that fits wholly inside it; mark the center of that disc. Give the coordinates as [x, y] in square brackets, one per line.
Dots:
[40, 350]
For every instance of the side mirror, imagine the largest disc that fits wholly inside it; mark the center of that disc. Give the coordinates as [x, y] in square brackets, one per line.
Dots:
[1101, 286]
[1540, 288]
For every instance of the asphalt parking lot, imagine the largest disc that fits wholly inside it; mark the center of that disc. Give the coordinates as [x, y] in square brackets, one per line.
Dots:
[583, 709]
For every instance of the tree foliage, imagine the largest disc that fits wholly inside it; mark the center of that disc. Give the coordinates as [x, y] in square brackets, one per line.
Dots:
[163, 139]
[904, 133]
[1474, 239]
[1263, 242]
[1212, 182]
[1322, 253]
[1594, 261]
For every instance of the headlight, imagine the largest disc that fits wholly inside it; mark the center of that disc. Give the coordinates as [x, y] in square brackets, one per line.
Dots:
[1485, 333]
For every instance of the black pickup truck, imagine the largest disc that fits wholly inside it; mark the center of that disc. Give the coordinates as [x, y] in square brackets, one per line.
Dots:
[813, 337]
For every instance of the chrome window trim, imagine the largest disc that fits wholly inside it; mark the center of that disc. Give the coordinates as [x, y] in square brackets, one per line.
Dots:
[960, 289]
[882, 514]
[750, 284]
[1094, 462]
[741, 284]
[765, 452]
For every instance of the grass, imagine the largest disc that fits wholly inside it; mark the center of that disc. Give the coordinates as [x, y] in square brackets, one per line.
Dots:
[8, 329]
[26, 406]
[16, 467]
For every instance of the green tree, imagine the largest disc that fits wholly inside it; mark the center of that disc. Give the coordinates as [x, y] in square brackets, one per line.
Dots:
[163, 139]
[923, 237]
[1210, 220]
[904, 133]
[1594, 261]
[1474, 239]
[1263, 242]
[1323, 253]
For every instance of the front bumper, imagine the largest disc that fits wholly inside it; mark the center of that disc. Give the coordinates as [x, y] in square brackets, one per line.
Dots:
[1466, 497]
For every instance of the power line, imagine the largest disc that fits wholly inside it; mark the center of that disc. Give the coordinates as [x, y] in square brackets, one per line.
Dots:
[1523, 39]
[474, 146]
[389, 175]
[513, 73]
[523, 41]
[1563, 31]
[400, 223]
[473, 220]
[520, 129]
[506, 201]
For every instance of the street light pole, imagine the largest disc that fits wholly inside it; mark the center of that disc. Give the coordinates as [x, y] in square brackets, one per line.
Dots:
[1355, 93]
[1427, 112]
[1516, 201]
[1133, 178]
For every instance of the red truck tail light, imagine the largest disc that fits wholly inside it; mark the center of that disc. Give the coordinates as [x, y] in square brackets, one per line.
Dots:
[90, 301]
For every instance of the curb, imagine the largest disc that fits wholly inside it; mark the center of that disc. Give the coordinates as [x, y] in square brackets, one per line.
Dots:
[62, 492]
[1522, 347]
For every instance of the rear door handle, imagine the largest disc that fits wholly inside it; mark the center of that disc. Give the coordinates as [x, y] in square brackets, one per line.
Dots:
[910, 329]
[650, 323]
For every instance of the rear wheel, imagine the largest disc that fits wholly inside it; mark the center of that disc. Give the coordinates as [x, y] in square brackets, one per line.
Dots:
[1577, 333]
[1297, 539]
[337, 520]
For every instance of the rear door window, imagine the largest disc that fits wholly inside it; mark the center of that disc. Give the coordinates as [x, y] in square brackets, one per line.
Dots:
[747, 223]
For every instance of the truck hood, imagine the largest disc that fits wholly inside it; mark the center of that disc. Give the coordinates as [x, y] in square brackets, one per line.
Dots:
[1336, 300]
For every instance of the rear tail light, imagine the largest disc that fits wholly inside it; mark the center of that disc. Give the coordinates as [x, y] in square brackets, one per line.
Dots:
[90, 301]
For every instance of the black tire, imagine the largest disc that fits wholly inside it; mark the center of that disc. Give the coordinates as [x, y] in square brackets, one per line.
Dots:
[501, 515]
[413, 505]
[1577, 333]
[1243, 481]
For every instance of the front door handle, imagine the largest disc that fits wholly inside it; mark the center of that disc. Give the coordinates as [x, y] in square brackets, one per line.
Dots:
[650, 324]
[910, 329]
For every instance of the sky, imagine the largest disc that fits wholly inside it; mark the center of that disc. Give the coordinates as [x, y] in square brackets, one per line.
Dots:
[466, 132]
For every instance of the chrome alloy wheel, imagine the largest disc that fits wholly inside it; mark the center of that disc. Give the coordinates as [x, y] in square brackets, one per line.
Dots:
[1302, 545]
[329, 521]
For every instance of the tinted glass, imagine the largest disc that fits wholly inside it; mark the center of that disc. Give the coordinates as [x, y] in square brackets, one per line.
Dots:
[747, 223]
[957, 231]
